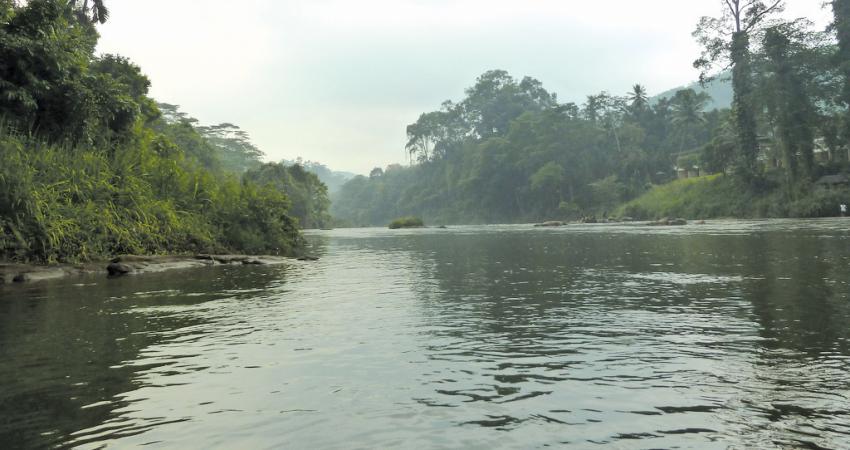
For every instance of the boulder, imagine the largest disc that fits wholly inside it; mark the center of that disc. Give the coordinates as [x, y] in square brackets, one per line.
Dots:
[551, 223]
[308, 258]
[21, 278]
[230, 259]
[117, 269]
[253, 262]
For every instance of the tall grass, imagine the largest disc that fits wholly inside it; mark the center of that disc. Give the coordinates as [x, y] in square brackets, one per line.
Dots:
[718, 196]
[62, 203]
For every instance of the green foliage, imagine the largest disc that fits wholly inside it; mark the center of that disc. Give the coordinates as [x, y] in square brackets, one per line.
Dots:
[700, 198]
[718, 196]
[508, 152]
[90, 166]
[63, 203]
[549, 161]
[406, 222]
[307, 194]
[332, 179]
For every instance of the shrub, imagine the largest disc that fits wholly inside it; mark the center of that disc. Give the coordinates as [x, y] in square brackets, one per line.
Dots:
[407, 222]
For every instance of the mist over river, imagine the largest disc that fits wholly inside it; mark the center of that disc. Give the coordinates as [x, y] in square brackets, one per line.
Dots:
[726, 335]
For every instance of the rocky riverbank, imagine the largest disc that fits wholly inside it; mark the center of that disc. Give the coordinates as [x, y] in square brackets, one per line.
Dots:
[131, 265]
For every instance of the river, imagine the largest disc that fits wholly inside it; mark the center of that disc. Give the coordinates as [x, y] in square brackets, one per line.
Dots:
[726, 335]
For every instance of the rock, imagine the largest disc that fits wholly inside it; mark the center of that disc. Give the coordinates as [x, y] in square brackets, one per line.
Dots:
[667, 222]
[308, 258]
[116, 269]
[701, 222]
[21, 278]
[230, 259]
[442, 227]
[253, 262]
[551, 223]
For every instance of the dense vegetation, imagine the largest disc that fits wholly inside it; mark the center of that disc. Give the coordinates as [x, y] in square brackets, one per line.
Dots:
[91, 166]
[510, 152]
[406, 222]
[333, 179]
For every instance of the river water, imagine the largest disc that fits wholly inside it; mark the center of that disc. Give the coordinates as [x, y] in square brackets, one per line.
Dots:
[726, 335]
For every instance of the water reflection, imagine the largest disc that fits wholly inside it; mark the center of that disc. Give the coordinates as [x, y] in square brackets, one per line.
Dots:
[733, 334]
[72, 351]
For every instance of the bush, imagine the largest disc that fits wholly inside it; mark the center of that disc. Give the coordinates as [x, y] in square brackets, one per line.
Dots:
[407, 222]
[69, 204]
[717, 196]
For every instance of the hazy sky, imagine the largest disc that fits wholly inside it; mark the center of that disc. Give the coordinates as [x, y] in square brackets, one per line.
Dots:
[337, 81]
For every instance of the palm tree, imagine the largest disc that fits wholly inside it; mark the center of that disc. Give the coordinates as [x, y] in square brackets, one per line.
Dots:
[94, 13]
[638, 99]
[688, 108]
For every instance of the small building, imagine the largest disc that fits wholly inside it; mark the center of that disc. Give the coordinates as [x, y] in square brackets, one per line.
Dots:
[833, 181]
[683, 173]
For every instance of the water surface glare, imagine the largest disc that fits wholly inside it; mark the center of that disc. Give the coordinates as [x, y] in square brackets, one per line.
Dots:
[725, 335]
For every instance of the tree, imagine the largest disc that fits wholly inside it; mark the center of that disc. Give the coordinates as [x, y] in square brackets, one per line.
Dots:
[638, 99]
[94, 13]
[548, 180]
[789, 104]
[235, 149]
[841, 25]
[377, 172]
[687, 114]
[726, 41]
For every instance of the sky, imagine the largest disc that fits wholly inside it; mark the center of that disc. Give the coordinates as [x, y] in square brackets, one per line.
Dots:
[338, 81]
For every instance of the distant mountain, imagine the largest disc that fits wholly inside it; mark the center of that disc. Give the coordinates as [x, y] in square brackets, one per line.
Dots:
[720, 90]
[332, 179]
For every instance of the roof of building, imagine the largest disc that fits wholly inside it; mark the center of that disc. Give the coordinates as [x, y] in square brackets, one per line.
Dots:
[834, 179]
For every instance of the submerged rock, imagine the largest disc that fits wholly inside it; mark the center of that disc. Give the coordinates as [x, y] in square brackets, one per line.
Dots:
[21, 278]
[551, 223]
[117, 269]
[667, 222]
[308, 258]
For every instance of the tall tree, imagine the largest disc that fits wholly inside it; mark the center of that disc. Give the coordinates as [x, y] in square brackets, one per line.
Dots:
[789, 104]
[841, 25]
[688, 108]
[93, 12]
[726, 40]
[638, 99]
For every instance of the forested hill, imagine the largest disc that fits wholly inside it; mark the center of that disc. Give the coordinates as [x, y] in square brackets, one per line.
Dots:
[719, 89]
[91, 166]
[510, 152]
[333, 179]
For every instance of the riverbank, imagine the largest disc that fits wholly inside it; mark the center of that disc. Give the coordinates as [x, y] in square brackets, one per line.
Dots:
[718, 196]
[131, 265]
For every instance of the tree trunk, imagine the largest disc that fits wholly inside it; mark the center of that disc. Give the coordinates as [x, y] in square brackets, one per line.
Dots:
[745, 116]
[841, 12]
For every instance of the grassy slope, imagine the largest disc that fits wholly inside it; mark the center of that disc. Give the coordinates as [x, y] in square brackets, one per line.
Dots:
[717, 196]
